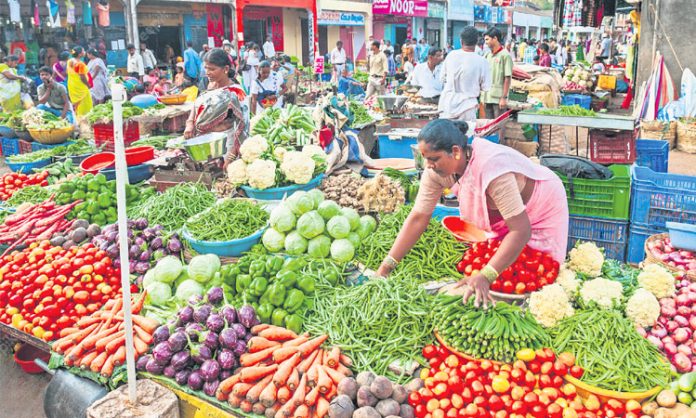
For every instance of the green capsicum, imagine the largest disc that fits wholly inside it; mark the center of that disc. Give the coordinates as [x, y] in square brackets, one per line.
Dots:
[331, 276]
[258, 286]
[294, 264]
[306, 284]
[257, 268]
[229, 274]
[287, 278]
[273, 264]
[278, 317]
[265, 311]
[243, 282]
[244, 264]
[293, 323]
[276, 294]
[293, 300]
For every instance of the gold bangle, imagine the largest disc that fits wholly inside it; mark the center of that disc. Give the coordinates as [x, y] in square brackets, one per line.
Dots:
[489, 273]
[390, 261]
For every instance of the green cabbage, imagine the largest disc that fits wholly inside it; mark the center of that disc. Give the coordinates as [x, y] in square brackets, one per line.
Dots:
[300, 202]
[158, 293]
[168, 269]
[352, 216]
[282, 219]
[328, 209]
[368, 225]
[317, 196]
[148, 278]
[202, 268]
[273, 240]
[295, 244]
[354, 239]
[338, 227]
[182, 277]
[319, 247]
[310, 224]
[342, 251]
[187, 289]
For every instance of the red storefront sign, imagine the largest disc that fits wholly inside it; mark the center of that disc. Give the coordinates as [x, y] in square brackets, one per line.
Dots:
[411, 8]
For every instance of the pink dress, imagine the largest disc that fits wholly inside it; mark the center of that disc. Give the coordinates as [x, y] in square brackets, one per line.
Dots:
[547, 208]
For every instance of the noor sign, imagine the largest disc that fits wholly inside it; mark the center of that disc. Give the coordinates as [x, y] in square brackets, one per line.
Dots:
[413, 8]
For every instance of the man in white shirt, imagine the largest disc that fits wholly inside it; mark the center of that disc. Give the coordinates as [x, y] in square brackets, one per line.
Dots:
[428, 75]
[135, 67]
[268, 48]
[465, 75]
[605, 51]
[149, 60]
[338, 59]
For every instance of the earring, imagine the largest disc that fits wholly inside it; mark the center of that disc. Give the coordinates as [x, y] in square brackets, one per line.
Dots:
[456, 157]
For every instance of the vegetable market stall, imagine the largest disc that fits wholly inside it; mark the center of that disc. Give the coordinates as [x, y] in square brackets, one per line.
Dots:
[168, 120]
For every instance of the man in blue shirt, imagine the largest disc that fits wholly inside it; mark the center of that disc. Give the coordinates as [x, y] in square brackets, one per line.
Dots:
[192, 63]
[349, 86]
[424, 50]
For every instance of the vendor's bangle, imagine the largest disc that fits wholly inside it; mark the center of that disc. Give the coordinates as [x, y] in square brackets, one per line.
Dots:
[390, 261]
[489, 273]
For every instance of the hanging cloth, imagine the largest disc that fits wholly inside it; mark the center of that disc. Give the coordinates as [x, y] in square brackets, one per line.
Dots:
[87, 13]
[35, 13]
[568, 10]
[53, 14]
[103, 15]
[70, 12]
[577, 14]
[15, 16]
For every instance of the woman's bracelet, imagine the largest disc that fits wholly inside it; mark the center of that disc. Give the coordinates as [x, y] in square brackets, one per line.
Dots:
[489, 273]
[390, 261]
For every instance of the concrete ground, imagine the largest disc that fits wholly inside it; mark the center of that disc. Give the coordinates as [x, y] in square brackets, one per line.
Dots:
[21, 394]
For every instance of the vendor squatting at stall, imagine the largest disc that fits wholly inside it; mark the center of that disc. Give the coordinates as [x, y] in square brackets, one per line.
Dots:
[498, 189]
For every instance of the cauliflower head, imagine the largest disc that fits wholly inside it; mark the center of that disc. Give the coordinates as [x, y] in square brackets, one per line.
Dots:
[586, 259]
[279, 153]
[550, 305]
[606, 293]
[253, 147]
[312, 149]
[261, 174]
[237, 172]
[658, 280]
[568, 280]
[298, 167]
[643, 309]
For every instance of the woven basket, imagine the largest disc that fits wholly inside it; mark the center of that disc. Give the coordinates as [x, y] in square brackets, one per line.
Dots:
[651, 259]
[51, 136]
[655, 129]
[686, 137]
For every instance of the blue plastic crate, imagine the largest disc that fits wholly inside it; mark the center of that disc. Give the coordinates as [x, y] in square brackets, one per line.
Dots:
[441, 211]
[683, 236]
[658, 198]
[10, 146]
[609, 234]
[35, 146]
[653, 153]
[396, 146]
[577, 99]
[636, 242]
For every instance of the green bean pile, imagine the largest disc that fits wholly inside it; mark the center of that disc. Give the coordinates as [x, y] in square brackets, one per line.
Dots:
[227, 220]
[494, 334]
[434, 257]
[375, 324]
[613, 354]
[30, 157]
[574, 110]
[172, 208]
[29, 194]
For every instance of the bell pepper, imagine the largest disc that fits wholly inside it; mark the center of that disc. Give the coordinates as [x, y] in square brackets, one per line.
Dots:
[293, 323]
[294, 264]
[293, 300]
[229, 274]
[104, 200]
[258, 286]
[229, 292]
[244, 264]
[287, 278]
[273, 264]
[264, 299]
[264, 312]
[243, 282]
[278, 317]
[306, 284]
[331, 276]
[276, 294]
[257, 268]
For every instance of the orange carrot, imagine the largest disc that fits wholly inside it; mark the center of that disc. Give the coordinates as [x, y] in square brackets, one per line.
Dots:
[75, 353]
[143, 335]
[90, 341]
[86, 321]
[140, 346]
[258, 328]
[108, 368]
[296, 342]
[282, 375]
[254, 393]
[251, 359]
[312, 375]
[79, 336]
[334, 356]
[98, 362]
[87, 359]
[302, 411]
[322, 407]
[118, 304]
[120, 355]
[274, 333]
[148, 324]
[335, 376]
[101, 344]
[312, 345]
[283, 395]
[307, 362]
[257, 344]
[284, 353]
[60, 346]
[317, 360]
[234, 401]
[252, 374]
[331, 393]
[345, 360]
[343, 370]
[323, 380]
[138, 305]
[293, 380]
[286, 410]
[300, 393]
[312, 396]
[241, 389]
[67, 331]
[114, 344]
[226, 385]
[268, 395]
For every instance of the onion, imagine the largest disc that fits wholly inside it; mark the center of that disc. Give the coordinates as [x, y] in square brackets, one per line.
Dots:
[682, 362]
[682, 321]
[692, 286]
[692, 323]
[668, 340]
[672, 326]
[684, 349]
[659, 331]
[686, 254]
[668, 311]
[681, 335]
[670, 349]
[682, 300]
[642, 332]
[656, 341]
[668, 248]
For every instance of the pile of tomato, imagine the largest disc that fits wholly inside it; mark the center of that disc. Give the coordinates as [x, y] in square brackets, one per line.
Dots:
[534, 385]
[11, 182]
[44, 289]
[531, 271]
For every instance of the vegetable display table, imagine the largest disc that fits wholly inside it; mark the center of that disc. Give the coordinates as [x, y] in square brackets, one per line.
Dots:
[24, 337]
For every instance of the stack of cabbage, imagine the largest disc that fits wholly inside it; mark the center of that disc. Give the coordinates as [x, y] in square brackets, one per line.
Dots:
[579, 76]
[306, 223]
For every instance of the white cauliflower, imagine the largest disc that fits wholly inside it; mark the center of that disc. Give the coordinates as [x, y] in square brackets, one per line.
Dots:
[586, 259]
[261, 174]
[312, 150]
[298, 167]
[657, 280]
[550, 305]
[568, 280]
[279, 153]
[606, 293]
[253, 147]
[237, 172]
[643, 308]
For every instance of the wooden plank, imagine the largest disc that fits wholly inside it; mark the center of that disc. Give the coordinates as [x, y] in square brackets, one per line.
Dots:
[622, 123]
[25, 338]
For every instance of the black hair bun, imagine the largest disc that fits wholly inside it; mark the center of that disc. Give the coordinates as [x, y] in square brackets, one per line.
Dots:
[462, 126]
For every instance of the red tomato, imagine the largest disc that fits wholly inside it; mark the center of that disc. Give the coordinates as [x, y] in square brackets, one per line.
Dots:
[576, 372]
[508, 287]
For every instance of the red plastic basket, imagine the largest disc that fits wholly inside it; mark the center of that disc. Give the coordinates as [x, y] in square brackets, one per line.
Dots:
[104, 134]
[612, 147]
[24, 146]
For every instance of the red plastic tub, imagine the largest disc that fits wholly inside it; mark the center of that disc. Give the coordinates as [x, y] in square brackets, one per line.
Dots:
[462, 230]
[96, 162]
[139, 155]
[25, 358]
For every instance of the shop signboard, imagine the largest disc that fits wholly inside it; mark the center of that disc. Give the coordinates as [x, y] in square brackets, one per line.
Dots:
[411, 8]
[436, 10]
[482, 13]
[462, 10]
[327, 18]
[319, 65]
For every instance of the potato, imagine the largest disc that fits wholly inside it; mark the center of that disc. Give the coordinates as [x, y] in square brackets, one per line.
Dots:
[365, 378]
[349, 387]
[381, 387]
[666, 398]
[387, 407]
[365, 397]
[366, 412]
[399, 393]
[649, 408]
[407, 411]
[341, 407]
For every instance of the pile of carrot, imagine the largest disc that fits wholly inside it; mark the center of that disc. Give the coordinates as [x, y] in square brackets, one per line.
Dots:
[98, 342]
[285, 375]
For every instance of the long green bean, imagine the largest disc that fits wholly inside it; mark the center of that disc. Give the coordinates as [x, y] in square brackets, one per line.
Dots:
[434, 257]
[29, 194]
[227, 220]
[613, 354]
[172, 208]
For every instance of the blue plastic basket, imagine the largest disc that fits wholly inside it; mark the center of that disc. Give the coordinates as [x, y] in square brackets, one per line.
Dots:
[683, 236]
[396, 147]
[36, 146]
[653, 153]
[278, 193]
[136, 173]
[326, 77]
[636, 242]
[661, 197]
[441, 211]
[10, 146]
[608, 234]
[28, 167]
[577, 99]
[233, 248]
[7, 132]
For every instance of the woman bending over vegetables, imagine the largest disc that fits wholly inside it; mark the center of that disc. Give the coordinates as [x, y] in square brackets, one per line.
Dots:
[499, 190]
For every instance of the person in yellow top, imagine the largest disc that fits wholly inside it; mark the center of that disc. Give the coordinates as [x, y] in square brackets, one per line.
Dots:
[10, 85]
[378, 71]
[520, 49]
[78, 82]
